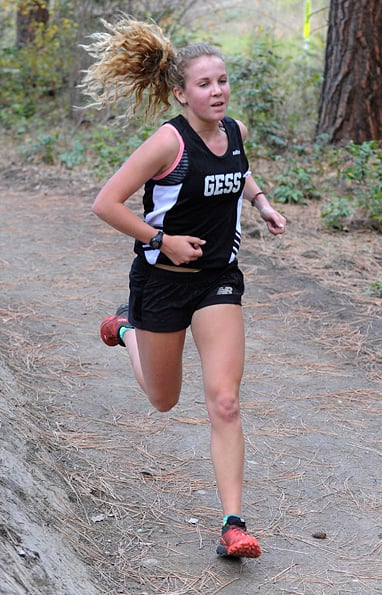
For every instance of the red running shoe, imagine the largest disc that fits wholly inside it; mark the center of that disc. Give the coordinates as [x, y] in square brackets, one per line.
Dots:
[110, 326]
[236, 542]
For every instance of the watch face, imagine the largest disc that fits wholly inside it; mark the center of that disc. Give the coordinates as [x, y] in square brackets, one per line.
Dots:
[156, 241]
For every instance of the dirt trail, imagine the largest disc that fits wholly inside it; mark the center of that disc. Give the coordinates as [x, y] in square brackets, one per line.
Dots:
[100, 494]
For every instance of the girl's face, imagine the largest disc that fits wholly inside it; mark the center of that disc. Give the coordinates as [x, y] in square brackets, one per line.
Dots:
[206, 93]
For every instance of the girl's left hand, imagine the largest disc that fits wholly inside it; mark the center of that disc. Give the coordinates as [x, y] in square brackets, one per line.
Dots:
[274, 220]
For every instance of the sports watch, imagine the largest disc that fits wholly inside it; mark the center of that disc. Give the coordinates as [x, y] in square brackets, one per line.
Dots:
[156, 241]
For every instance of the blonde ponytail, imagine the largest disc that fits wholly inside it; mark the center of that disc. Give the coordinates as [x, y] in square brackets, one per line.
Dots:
[138, 63]
[133, 58]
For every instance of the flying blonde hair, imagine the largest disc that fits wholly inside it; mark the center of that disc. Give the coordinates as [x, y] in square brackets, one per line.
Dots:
[137, 62]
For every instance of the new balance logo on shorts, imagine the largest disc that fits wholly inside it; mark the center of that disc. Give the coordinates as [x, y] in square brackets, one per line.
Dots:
[224, 290]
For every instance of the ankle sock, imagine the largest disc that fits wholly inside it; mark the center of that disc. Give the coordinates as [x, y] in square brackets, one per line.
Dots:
[233, 518]
[123, 330]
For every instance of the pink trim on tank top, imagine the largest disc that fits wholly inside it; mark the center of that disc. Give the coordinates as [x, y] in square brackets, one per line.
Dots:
[177, 158]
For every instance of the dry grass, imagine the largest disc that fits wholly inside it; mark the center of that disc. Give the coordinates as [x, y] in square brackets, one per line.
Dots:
[133, 491]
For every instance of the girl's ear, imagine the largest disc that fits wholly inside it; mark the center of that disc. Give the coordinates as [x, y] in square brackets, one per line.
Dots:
[179, 95]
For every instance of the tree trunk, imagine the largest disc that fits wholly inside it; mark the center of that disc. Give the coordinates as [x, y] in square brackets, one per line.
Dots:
[30, 12]
[350, 107]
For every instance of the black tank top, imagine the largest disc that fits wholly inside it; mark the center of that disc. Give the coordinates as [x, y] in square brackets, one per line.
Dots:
[201, 196]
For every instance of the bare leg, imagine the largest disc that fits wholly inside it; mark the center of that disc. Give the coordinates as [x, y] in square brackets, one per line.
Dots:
[130, 340]
[157, 359]
[219, 336]
[157, 363]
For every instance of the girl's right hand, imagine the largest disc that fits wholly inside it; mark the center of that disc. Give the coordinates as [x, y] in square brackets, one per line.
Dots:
[182, 249]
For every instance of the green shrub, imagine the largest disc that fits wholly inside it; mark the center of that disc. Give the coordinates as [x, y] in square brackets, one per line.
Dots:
[37, 70]
[43, 149]
[256, 94]
[365, 174]
[295, 184]
[73, 156]
[336, 212]
[375, 289]
[359, 172]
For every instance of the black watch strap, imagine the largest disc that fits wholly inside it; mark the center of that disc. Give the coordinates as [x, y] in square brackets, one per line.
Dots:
[156, 241]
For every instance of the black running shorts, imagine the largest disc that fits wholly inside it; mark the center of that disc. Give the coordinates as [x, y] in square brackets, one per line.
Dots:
[165, 301]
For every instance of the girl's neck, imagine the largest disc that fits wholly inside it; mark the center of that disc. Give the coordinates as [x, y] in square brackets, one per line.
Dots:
[201, 126]
[211, 133]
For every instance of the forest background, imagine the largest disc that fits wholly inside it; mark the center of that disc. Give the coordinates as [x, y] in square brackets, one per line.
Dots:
[276, 58]
[98, 492]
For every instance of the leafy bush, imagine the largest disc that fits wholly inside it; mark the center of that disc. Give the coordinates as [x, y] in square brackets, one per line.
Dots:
[39, 69]
[256, 94]
[336, 212]
[375, 289]
[295, 184]
[73, 156]
[365, 173]
[360, 172]
[300, 77]
[43, 149]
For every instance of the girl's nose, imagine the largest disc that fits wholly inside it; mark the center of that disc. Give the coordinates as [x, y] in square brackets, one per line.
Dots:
[216, 90]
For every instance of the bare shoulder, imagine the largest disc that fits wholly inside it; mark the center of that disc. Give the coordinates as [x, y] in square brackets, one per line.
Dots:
[157, 153]
[161, 148]
[243, 129]
[167, 136]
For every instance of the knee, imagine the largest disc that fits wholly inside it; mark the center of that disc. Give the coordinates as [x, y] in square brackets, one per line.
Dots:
[163, 403]
[163, 407]
[226, 408]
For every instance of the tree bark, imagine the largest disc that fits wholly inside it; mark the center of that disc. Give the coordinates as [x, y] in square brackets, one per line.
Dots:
[30, 12]
[350, 107]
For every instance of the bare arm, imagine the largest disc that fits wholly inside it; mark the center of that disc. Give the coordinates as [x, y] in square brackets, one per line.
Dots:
[274, 220]
[150, 159]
